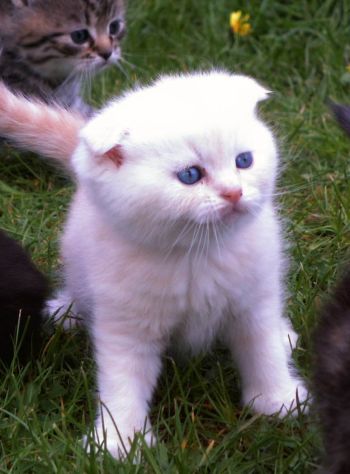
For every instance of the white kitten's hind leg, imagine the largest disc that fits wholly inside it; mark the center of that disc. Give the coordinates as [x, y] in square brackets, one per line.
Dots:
[62, 310]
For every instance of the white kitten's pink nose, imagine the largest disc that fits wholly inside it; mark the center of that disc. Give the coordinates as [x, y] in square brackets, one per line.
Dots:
[232, 195]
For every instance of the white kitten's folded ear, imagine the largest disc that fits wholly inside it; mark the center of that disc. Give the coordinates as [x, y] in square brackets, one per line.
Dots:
[247, 91]
[263, 93]
[256, 91]
[104, 134]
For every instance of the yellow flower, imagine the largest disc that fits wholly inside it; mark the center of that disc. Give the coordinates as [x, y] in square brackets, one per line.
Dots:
[239, 23]
[348, 68]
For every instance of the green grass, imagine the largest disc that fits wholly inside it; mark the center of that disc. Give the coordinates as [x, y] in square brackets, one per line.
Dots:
[300, 51]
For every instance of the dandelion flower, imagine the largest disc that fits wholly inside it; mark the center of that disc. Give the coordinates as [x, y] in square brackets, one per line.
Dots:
[239, 23]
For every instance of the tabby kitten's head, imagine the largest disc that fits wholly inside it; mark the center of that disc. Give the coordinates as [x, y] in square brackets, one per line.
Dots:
[60, 37]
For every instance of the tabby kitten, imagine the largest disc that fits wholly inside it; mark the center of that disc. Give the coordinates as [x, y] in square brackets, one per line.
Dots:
[48, 46]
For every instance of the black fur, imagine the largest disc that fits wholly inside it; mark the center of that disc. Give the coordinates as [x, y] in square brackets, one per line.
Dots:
[23, 290]
[332, 377]
[332, 361]
[342, 114]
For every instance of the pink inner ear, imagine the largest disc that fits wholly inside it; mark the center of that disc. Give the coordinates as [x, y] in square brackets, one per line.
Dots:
[115, 155]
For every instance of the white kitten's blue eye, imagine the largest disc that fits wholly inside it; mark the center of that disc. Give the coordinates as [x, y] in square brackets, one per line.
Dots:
[80, 36]
[244, 160]
[190, 175]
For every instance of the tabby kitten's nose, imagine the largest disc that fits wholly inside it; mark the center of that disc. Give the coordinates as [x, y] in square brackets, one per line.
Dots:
[105, 54]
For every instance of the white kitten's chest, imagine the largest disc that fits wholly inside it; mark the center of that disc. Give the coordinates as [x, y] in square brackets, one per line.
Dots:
[176, 297]
[157, 294]
[216, 288]
[160, 297]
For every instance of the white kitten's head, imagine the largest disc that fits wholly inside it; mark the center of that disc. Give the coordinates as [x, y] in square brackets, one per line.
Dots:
[186, 152]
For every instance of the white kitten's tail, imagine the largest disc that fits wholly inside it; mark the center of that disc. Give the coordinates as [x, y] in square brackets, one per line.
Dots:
[51, 131]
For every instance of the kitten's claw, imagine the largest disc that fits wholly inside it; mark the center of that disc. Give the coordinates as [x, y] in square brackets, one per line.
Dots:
[118, 445]
[282, 403]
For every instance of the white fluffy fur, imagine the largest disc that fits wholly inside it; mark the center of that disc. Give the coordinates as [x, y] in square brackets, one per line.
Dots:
[150, 259]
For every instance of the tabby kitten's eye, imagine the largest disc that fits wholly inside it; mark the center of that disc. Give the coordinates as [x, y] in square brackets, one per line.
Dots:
[244, 160]
[80, 36]
[115, 27]
[190, 175]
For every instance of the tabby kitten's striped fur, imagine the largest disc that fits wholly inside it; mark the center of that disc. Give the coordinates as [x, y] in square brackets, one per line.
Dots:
[49, 45]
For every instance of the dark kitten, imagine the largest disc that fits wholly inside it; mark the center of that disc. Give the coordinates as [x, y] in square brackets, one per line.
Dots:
[332, 361]
[342, 114]
[332, 377]
[23, 290]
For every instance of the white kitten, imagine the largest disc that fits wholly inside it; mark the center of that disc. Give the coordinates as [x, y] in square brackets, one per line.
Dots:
[172, 235]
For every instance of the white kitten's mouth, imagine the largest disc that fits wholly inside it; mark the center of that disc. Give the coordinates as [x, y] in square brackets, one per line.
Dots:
[224, 215]
[229, 212]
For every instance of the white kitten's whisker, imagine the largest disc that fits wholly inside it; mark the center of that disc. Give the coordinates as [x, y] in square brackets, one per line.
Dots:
[254, 211]
[216, 237]
[207, 240]
[197, 238]
[288, 189]
[220, 239]
[165, 230]
[292, 189]
[185, 230]
[194, 238]
[202, 242]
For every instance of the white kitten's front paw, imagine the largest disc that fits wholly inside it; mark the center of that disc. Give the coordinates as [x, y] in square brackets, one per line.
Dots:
[119, 443]
[281, 402]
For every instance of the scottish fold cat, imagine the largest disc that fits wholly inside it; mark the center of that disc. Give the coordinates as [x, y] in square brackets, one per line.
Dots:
[172, 236]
